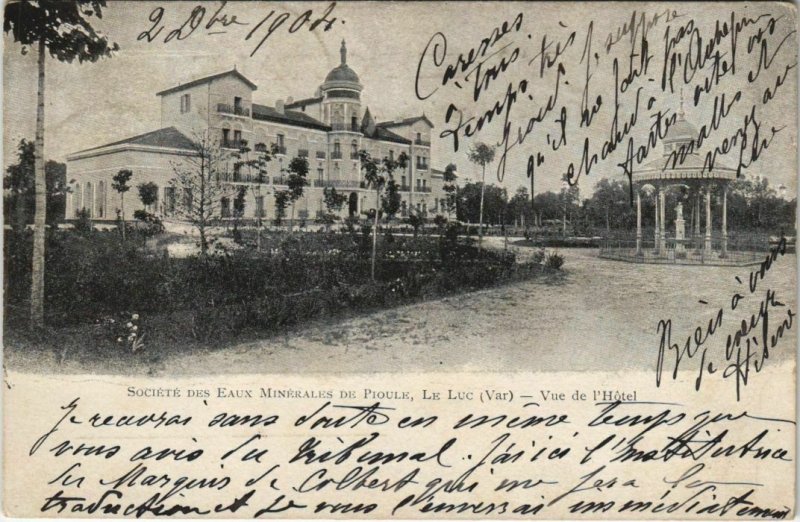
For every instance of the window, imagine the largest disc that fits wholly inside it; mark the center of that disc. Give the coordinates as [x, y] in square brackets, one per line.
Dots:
[391, 155]
[354, 149]
[87, 199]
[76, 200]
[320, 174]
[237, 138]
[169, 200]
[354, 124]
[226, 137]
[260, 206]
[280, 140]
[419, 137]
[188, 200]
[237, 171]
[337, 150]
[237, 105]
[100, 204]
[186, 103]
[225, 203]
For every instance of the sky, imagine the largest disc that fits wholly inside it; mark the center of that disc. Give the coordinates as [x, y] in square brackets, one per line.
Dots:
[91, 104]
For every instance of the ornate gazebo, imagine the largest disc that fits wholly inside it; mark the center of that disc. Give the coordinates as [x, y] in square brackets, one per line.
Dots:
[680, 171]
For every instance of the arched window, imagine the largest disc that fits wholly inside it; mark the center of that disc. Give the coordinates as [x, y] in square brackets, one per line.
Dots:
[100, 204]
[354, 149]
[76, 199]
[87, 198]
[337, 150]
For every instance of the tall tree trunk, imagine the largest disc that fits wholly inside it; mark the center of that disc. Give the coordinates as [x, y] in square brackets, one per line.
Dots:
[480, 217]
[375, 234]
[122, 212]
[40, 211]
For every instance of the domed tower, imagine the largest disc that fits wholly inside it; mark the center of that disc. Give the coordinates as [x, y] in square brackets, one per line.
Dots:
[341, 96]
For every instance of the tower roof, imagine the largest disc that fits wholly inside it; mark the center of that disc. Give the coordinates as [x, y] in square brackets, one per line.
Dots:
[342, 72]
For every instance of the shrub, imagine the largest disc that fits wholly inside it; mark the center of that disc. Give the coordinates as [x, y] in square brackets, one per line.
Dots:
[539, 256]
[83, 223]
[555, 261]
[150, 225]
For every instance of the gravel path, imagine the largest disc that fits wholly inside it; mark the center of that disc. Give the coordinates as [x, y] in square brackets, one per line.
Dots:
[602, 315]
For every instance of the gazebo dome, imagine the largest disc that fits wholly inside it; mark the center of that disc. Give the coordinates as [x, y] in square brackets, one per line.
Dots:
[681, 130]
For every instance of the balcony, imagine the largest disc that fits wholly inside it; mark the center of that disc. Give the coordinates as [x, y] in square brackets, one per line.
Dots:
[233, 144]
[336, 155]
[302, 153]
[225, 108]
[279, 149]
[354, 155]
[423, 189]
[349, 127]
[403, 188]
[321, 154]
[319, 183]
[242, 177]
[279, 180]
[424, 143]
[343, 183]
[422, 166]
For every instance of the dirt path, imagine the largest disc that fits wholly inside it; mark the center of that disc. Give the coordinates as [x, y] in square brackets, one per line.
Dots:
[603, 315]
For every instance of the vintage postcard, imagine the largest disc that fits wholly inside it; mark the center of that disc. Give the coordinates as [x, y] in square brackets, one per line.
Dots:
[399, 260]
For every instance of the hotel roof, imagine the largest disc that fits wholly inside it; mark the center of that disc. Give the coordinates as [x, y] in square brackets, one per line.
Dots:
[168, 137]
[207, 79]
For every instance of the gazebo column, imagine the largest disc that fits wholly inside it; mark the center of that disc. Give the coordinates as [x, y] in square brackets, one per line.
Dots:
[697, 214]
[661, 219]
[638, 222]
[657, 239]
[708, 220]
[724, 252]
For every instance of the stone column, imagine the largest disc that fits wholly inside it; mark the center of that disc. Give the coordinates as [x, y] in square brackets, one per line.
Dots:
[661, 220]
[657, 237]
[724, 252]
[638, 222]
[708, 220]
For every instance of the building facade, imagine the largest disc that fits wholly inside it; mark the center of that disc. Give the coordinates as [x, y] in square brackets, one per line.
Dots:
[328, 129]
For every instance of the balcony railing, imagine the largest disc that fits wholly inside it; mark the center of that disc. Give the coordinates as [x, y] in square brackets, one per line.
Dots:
[354, 155]
[423, 189]
[339, 183]
[280, 149]
[231, 177]
[225, 108]
[233, 144]
[350, 127]
[419, 141]
[321, 154]
[403, 188]
[422, 166]
[279, 180]
[336, 155]
[303, 153]
[319, 183]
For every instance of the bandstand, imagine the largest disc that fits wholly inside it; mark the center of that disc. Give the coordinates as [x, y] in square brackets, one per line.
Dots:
[694, 187]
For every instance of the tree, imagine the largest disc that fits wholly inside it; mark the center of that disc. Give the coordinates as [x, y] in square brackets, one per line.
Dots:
[519, 206]
[281, 203]
[259, 162]
[148, 194]
[197, 178]
[451, 189]
[609, 205]
[19, 197]
[120, 184]
[334, 201]
[297, 181]
[390, 201]
[377, 174]
[481, 154]
[61, 28]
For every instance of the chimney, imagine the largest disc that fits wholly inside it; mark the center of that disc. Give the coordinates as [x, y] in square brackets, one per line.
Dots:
[279, 106]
